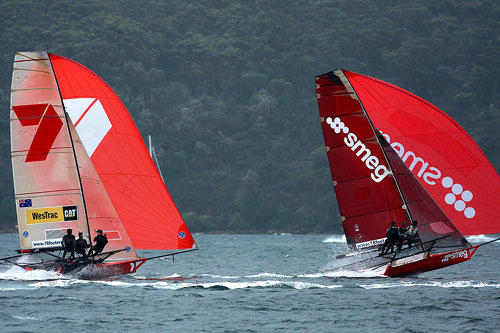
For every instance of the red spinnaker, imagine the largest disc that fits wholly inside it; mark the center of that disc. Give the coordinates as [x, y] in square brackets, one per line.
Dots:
[121, 159]
[446, 160]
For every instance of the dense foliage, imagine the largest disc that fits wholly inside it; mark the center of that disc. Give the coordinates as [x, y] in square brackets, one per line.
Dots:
[226, 88]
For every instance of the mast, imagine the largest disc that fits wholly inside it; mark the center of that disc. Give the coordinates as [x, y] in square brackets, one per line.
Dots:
[376, 132]
[74, 153]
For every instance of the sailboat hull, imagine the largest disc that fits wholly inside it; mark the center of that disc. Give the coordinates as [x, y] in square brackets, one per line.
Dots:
[424, 262]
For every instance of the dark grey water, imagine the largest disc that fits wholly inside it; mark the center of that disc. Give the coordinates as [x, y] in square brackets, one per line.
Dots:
[240, 283]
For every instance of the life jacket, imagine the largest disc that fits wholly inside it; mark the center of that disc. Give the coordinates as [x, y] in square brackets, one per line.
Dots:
[81, 244]
[412, 232]
[392, 233]
[68, 241]
[100, 242]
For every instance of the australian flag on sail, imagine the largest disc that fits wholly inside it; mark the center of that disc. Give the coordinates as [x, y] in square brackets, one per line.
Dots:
[25, 203]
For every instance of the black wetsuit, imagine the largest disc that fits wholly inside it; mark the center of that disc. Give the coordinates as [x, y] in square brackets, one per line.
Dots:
[80, 247]
[401, 237]
[100, 242]
[392, 237]
[68, 242]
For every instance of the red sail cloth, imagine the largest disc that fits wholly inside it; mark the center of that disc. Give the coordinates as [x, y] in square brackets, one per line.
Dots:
[122, 161]
[366, 206]
[445, 159]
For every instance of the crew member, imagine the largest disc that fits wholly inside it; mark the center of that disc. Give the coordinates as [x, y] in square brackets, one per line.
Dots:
[68, 243]
[401, 235]
[81, 245]
[412, 234]
[100, 242]
[392, 237]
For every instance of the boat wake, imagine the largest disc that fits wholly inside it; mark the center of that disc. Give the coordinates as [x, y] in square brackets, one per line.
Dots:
[9, 280]
[344, 274]
[433, 284]
[20, 274]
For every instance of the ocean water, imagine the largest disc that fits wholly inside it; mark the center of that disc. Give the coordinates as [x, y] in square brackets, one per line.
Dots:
[254, 283]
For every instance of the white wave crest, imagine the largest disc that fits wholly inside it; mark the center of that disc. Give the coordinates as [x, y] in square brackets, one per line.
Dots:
[344, 273]
[27, 318]
[18, 273]
[433, 284]
[274, 275]
[481, 239]
[221, 284]
[335, 239]
[228, 277]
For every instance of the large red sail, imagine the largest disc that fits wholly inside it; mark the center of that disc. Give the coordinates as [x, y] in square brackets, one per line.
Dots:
[449, 164]
[121, 159]
[367, 194]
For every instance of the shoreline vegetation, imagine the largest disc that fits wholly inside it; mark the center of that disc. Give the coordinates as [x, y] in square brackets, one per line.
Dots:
[228, 232]
[226, 89]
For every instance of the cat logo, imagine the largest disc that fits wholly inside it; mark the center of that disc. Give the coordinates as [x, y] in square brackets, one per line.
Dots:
[70, 213]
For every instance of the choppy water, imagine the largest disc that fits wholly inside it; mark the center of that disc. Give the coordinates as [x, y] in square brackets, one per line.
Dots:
[258, 283]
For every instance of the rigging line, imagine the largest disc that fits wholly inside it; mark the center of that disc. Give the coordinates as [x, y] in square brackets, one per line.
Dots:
[375, 132]
[174, 253]
[74, 152]
[491, 241]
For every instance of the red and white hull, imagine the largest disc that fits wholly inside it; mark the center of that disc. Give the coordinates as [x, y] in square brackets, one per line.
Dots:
[424, 262]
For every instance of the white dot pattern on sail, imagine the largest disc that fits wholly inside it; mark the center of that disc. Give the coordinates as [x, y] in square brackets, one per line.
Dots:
[458, 190]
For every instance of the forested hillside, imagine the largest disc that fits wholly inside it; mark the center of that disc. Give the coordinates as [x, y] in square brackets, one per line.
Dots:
[226, 88]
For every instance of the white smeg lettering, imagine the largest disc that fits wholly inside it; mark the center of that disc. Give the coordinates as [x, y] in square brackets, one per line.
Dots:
[428, 173]
[380, 171]
[455, 255]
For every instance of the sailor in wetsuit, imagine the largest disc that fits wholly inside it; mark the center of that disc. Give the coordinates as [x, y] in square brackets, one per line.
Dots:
[81, 245]
[401, 235]
[100, 242]
[68, 242]
[412, 234]
[392, 237]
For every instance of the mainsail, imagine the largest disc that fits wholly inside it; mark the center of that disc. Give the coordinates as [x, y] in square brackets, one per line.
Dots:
[46, 184]
[445, 159]
[372, 184]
